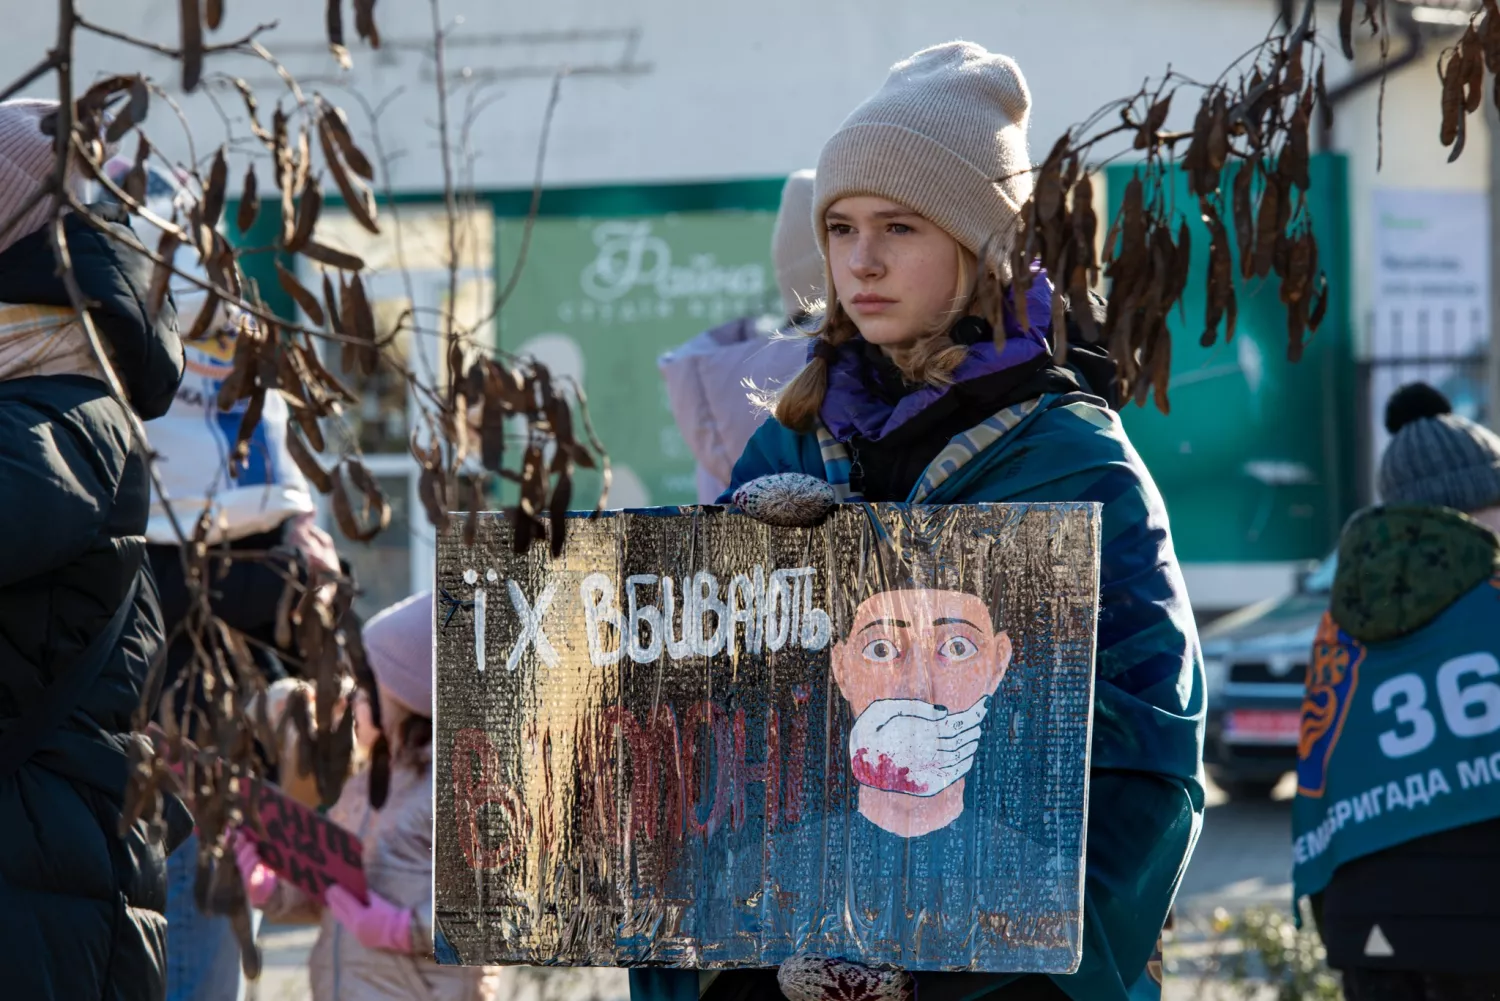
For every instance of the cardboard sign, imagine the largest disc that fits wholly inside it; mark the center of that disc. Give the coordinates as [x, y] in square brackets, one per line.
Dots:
[306, 848]
[695, 740]
[300, 844]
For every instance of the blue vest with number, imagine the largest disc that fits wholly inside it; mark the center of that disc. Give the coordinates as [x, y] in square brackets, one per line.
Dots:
[1399, 739]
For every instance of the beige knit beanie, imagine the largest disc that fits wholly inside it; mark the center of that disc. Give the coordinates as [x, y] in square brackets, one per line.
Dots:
[794, 246]
[25, 163]
[945, 136]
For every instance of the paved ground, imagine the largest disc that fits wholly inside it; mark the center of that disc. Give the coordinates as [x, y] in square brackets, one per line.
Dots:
[1243, 859]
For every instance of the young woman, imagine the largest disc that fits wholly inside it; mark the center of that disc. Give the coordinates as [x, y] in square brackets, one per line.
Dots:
[921, 386]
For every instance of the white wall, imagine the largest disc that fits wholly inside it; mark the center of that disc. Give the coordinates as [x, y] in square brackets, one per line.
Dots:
[1413, 155]
[678, 89]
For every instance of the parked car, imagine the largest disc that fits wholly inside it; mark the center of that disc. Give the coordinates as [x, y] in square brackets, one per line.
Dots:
[1256, 661]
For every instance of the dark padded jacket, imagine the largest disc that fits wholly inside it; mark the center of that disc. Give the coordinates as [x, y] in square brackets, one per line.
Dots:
[80, 904]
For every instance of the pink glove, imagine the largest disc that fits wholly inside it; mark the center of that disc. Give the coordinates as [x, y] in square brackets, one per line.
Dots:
[378, 925]
[260, 881]
[316, 545]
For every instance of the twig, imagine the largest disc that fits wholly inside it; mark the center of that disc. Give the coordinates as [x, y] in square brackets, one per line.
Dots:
[450, 196]
[536, 194]
[533, 210]
[237, 45]
[31, 75]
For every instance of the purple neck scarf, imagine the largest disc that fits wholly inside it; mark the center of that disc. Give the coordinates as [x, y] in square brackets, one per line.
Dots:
[851, 409]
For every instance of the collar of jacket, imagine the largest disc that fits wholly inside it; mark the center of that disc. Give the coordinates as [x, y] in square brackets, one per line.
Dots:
[1401, 566]
[859, 403]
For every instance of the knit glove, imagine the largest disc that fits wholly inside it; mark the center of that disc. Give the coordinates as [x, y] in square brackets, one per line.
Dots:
[260, 881]
[379, 924]
[787, 500]
[818, 978]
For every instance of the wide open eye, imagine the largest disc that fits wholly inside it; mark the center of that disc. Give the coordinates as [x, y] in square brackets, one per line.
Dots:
[958, 648]
[881, 651]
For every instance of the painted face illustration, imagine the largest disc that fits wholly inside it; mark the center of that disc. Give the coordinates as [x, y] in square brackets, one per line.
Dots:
[918, 669]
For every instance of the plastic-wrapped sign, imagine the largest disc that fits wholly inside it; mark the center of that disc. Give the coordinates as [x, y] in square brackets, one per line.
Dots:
[696, 740]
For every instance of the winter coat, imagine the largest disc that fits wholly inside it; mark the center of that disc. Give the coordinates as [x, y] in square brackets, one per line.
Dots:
[1411, 622]
[80, 904]
[1145, 796]
[706, 387]
[397, 842]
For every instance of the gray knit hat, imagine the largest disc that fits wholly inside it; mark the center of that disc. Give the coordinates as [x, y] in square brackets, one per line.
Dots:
[1435, 456]
[794, 248]
[945, 136]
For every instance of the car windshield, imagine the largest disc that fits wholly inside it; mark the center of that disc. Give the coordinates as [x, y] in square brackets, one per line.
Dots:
[1320, 581]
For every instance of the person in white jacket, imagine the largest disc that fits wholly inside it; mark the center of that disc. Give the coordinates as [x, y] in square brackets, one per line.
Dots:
[713, 379]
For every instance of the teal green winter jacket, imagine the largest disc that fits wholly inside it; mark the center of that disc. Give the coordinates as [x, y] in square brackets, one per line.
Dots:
[1146, 793]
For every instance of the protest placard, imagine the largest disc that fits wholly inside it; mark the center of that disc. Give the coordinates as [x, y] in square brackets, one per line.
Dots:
[299, 844]
[697, 740]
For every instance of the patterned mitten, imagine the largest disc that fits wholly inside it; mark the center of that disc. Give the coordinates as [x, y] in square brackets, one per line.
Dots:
[788, 500]
[818, 978]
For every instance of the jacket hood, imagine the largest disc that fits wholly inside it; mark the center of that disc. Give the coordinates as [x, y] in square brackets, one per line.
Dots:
[147, 354]
[1401, 566]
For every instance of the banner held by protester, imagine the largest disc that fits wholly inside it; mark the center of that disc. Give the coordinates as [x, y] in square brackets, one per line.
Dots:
[697, 740]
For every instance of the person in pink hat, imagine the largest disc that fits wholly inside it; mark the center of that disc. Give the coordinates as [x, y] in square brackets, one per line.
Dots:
[382, 950]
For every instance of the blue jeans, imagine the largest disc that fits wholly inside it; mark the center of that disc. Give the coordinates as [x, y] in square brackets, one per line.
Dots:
[203, 957]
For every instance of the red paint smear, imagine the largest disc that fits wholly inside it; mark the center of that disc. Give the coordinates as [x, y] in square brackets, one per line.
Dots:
[884, 775]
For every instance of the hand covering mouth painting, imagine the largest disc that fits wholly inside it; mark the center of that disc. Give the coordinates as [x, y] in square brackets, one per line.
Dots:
[918, 669]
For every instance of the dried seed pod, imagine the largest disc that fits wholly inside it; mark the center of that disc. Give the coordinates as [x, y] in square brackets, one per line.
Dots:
[282, 152]
[334, 21]
[331, 257]
[432, 493]
[1295, 156]
[161, 274]
[364, 22]
[533, 481]
[562, 496]
[309, 206]
[240, 456]
[1316, 314]
[214, 192]
[1085, 227]
[1267, 231]
[241, 379]
[1161, 372]
[305, 299]
[1489, 36]
[1244, 218]
[1346, 28]
[1049, 190]
[1181, 264]
[206, 319]
[319, 477]
[358, 198]
[359, 324]
[1201, 180]
[1473, 71]
[475, 503]
[249, 202]
[189, 18]
[334, 121]
[1453, 98]
[1145, 137]
[1220, 278]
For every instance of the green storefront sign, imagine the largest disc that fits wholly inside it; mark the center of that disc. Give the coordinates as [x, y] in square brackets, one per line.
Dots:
[602, 296]
[1257, 459]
